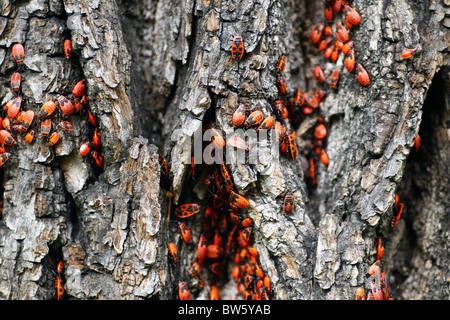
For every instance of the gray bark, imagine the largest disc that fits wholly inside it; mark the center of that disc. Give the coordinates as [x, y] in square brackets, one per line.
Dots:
[154, 69]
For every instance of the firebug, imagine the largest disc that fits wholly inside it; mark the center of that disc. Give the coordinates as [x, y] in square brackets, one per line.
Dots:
[237, 47]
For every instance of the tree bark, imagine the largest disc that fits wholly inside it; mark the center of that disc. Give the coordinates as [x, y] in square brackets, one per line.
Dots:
[155, 71]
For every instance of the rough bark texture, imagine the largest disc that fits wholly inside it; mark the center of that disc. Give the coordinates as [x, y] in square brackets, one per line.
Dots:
[154, 70]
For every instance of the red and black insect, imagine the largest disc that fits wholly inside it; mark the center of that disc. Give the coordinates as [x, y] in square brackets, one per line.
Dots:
[85, 148]
[187, 210]
[267, 124]
[328, 13]
[163, 166]
[316, 33]
[407, 53]
[173, 250]
[6, 138]
[397, 211]
[183, 291]
[13, 107]
[80, 88]
[334, 79]
[18, 53]
[238, 200]
[292, 145]
[281, 84]
[318, 74]
[47, 109]
[65, 125]
[98, 158]
[346, 47]
[186, 233]
[53, 139]
[351, 15]
[280, 108]
[362, 75]
[27, 120]
[46, 127]
[336, 5]
[68, 49]
[65, 105]
[202, 249]
[312, 171]
[281, 64]
[4, 157]
[217, 139]
[237, 47]
[214, 251]
[239, 115]
[15, 81]
[350, 60]
[380, 249]
[255, 118]
[288, 203]
[342, 33]
[311, 100]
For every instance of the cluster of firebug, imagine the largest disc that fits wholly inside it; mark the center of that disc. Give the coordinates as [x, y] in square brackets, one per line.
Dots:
[333, 43]
[19, 118]
[225, 237]
[379, 288]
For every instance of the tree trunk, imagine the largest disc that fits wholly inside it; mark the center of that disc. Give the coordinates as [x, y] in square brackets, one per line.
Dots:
[159, 71]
